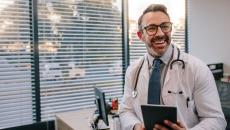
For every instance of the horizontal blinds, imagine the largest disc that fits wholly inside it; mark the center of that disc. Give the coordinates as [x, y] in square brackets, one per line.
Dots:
[136, 47]
[178, 35]
[80, 46]
[15, 64]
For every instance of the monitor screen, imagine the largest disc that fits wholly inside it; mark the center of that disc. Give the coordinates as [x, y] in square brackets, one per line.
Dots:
[101, 105]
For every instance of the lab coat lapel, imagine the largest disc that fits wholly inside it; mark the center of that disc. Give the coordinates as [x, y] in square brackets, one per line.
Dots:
[143, 82]
[173, 77]
[170, 74]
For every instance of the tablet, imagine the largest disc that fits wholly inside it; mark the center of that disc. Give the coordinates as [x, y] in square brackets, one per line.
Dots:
[156, 114]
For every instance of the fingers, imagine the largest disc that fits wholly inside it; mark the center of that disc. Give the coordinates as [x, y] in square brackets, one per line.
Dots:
[175, 126]
[143, 126]
[180, 124]
[159, 127]
[138, 126]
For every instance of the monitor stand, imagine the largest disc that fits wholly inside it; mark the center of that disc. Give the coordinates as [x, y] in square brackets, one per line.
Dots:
[102, 126]
[99, 124]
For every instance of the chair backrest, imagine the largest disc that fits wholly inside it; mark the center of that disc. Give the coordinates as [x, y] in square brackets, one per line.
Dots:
[224, 93]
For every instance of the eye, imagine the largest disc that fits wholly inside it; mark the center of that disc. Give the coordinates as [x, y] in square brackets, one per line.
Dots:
[166, 26]
[151, 28]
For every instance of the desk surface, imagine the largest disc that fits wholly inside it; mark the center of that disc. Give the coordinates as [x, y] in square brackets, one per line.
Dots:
[76, 120]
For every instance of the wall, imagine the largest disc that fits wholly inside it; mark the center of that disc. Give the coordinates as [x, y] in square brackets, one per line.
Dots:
[209, 31]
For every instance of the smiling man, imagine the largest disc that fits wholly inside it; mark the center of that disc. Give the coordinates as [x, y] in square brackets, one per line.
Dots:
[156, 40]
[167, 76]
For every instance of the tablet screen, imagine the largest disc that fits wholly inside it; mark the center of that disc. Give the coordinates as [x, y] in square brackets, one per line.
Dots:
[156, 114]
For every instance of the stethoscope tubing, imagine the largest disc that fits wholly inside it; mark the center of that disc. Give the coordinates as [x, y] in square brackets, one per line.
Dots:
[134, 93]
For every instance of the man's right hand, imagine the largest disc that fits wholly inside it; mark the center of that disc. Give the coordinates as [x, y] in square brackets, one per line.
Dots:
[139, 126]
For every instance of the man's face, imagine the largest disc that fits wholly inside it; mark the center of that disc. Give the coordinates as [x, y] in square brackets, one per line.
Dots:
[157, 43]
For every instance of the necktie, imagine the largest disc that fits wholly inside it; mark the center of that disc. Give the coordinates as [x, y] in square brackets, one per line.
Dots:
[154, 83]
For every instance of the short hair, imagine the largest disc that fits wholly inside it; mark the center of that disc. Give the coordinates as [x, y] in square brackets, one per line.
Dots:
[152, 8]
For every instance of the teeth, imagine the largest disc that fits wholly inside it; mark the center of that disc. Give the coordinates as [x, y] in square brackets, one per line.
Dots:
[159, 41]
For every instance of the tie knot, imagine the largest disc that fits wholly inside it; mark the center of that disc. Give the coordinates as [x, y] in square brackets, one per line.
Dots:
[157, 63]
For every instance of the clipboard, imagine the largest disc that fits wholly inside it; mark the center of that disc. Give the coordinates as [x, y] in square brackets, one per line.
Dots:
[156, 114]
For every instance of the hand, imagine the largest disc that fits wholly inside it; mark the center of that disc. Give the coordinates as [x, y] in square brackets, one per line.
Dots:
[139, 126]
[177, 126]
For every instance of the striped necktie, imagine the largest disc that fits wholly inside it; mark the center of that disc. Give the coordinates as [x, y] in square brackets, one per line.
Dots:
[154, 83]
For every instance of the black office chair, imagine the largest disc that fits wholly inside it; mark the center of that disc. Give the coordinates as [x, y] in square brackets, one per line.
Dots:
[224, 93]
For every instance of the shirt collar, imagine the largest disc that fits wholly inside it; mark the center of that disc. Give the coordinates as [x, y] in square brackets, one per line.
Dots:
[165, 58]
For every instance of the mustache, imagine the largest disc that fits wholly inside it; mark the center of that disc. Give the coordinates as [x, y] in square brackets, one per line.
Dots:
[159, 38]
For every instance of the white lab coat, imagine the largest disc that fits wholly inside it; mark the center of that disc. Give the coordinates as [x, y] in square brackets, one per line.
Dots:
[196, 81]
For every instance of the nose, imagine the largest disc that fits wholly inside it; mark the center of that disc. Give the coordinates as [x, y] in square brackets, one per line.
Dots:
[159, 32]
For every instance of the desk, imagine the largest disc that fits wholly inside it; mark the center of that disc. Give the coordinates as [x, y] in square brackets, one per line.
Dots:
[76, 120]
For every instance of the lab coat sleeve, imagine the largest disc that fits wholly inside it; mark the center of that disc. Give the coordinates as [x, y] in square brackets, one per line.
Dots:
[207, 101]
[127, 114]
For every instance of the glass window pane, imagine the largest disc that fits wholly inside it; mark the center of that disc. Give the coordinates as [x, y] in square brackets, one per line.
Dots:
[80, 44]
[15, 64]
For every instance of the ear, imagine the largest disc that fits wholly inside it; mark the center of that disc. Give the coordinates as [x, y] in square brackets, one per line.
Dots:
[139, 34]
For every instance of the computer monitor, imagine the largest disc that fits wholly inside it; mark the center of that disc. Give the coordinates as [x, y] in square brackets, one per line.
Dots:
[101, 105]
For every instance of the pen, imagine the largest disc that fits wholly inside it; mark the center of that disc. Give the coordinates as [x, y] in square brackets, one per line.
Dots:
[187, 100]
[180, 92]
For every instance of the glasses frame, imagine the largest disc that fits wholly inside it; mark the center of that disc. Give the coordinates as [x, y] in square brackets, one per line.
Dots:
[161, 25]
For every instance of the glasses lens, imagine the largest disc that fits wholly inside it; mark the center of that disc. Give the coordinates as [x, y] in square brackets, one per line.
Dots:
[166, 27]
[151, 29]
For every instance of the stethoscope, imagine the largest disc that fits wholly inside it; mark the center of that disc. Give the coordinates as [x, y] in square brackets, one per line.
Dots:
[134, 92]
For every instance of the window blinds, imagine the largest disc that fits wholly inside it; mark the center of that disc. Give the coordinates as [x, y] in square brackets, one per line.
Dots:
[136, 47]
[15, 64]
[80, 46]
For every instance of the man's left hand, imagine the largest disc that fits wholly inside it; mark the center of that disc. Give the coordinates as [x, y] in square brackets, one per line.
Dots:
[174, 126]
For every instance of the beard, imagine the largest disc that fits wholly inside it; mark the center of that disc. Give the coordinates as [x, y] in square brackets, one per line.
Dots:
[154, 43]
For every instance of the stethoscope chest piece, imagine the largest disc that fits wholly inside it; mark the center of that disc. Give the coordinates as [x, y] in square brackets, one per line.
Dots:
[134, 94]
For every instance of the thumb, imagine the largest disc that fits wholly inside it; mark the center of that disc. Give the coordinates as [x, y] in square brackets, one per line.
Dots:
[180, 124]
[143, 127]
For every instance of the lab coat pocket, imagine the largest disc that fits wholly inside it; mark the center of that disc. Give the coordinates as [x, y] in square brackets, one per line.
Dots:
[169, 99]
[191, 113]
[191, 106]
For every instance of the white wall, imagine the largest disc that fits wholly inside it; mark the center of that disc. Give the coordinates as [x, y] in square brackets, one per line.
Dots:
[209, 31]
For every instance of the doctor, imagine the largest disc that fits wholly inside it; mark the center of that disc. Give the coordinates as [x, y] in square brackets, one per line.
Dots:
[187, 83]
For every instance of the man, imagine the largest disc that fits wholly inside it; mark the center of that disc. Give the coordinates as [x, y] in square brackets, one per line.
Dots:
[187, 84]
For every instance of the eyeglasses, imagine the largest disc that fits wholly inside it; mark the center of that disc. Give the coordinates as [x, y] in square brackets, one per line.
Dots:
[152, 28]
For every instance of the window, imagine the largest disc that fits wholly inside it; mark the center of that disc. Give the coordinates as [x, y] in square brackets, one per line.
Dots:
[176, 11]
[80, 46]
[15, 64]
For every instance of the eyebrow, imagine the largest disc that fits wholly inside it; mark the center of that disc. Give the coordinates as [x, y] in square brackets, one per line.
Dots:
[155, 24]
